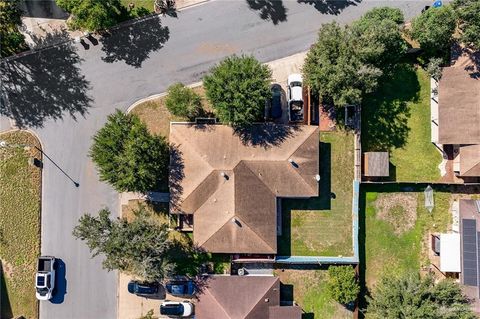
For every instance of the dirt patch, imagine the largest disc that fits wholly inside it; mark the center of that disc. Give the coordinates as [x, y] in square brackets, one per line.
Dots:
[399, 210]
[6, 268]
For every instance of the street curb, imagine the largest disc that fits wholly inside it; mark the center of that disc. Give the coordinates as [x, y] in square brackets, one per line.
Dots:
[114, 28]
[159, 95]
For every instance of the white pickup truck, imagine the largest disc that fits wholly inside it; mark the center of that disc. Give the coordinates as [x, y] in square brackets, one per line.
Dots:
[45, 277]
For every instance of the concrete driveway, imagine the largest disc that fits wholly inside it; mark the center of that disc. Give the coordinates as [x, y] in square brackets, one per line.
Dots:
[65, 94]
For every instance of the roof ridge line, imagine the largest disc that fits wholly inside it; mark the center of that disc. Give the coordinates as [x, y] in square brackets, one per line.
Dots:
[263, 297]
[196, 187]
[218, 303]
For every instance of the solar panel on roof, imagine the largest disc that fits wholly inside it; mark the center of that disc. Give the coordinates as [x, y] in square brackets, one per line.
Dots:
[470, 252]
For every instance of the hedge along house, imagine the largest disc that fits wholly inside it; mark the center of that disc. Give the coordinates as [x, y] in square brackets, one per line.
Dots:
[225, 184]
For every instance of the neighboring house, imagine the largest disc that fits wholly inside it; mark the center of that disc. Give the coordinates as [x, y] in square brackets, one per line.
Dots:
[470, 249]
[226, 185]
[243, 297]
[456, 119]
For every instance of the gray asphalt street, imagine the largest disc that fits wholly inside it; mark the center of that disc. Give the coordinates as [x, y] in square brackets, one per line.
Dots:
[66, 93]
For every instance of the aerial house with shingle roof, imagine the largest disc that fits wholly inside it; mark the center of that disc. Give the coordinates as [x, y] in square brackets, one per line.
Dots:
[227, 183]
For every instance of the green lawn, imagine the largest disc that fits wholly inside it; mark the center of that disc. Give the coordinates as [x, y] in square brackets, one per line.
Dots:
[20, 196]
[322, 226]
[387, 253]
[308, 289]
[147, 4]
[397, 118]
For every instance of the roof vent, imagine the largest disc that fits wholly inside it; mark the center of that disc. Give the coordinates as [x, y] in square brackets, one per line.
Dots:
[291, 161]
[236, 222]
[224, 175]
[317, 178]
[267, 299]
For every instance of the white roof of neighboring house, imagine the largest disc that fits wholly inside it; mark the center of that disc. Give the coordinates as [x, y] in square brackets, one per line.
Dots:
[450, 252]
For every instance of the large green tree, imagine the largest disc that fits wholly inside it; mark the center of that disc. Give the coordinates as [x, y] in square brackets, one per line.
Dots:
[409, 296]
[342, 285]
[11, 40]
[433, 30]
[238, 88]
[468, 16]
[128, 156]
[378, 40]
[139, 247]
[93, 15]
[335, 70]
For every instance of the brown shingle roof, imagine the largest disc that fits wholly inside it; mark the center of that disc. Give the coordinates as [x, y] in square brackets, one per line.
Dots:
[470, 160]
[241, 297]
[237, 213]
[459, 106]
[291, 312]
[376, 164]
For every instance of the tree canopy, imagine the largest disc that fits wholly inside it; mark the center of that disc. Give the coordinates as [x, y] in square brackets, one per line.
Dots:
[128, 156]
[468, 16]
[342, 284]
[433, 30]
[409, 296]
[93, 15]
[183, 101]
[238, 88]
[378, 38]
[335, 70]
[139, 247]
[11, 40]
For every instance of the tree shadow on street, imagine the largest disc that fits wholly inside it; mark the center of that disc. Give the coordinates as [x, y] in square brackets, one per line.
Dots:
[134, 43]
[386, 112]
[44, 85]
[334, 7]
[272, 10]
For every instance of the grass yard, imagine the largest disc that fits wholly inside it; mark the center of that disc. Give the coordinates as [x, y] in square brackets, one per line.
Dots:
[397, 118]
[395, 229]
[147, 4]
[155, 115]
[307, 289]
[20, 200]
[322, 226]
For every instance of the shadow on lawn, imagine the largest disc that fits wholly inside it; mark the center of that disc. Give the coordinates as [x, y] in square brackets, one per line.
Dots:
[386, 113]
[321, 202]
[272, 10]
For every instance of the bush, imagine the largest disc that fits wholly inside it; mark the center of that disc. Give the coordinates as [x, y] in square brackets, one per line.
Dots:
[434, 68]
[433, 29]
[93, 15]
[128, 156]
[410, 296]
[238, 88]
[11, 40]
[342, 284]
[183, 101]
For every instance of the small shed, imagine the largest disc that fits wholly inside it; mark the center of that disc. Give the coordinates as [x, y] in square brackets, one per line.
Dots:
[376, 164]
[450, 252]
